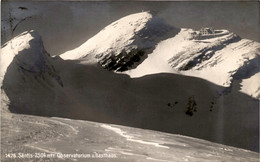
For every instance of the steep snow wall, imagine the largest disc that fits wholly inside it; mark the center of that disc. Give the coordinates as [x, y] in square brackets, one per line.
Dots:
[27, 52]
[28, 74]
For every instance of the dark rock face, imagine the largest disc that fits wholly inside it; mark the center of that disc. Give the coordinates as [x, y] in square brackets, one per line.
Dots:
[123, 61]
[145, 40]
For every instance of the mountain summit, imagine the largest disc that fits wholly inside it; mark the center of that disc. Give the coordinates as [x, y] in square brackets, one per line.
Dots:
[122, 43]
[142, 44]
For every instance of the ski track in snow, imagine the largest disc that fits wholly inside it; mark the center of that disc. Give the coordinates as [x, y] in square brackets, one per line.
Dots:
[131, 138]
[153, 159]
[122, 151]
[70, 126]
[41, 149]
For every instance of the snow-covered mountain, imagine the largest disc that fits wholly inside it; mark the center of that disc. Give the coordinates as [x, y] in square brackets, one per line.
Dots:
[28, 74]
[220, 58]
[122, 43]
[28, 56]
[81, 87]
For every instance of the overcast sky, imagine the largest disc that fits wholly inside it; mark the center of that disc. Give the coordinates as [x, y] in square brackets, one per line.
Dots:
[66, 25]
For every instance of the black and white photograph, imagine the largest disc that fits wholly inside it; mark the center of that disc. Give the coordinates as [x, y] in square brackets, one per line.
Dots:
[130, 81]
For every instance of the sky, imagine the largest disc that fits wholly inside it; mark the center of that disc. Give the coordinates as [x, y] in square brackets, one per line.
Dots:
[66, 25]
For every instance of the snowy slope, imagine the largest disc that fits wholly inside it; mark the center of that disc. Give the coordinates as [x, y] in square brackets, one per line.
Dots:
[123, 42]
[11, 49]
[105, 142]
[219, 60]
[251, 85]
